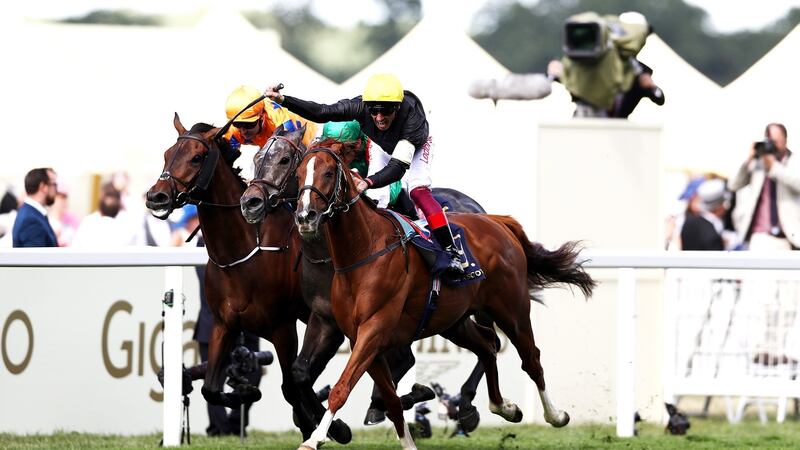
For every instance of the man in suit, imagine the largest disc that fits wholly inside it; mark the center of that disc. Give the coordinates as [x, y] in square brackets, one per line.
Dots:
[31, 228]
[767, 214]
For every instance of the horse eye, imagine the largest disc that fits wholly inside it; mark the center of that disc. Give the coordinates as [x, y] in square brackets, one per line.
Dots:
[197, 158]
[329, 174]
[284, 160]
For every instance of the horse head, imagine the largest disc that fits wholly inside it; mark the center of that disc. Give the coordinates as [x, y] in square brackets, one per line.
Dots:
[188, 167]
[325, 183]
[274, 165]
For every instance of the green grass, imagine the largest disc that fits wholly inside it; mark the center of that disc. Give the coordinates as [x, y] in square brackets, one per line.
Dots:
[704, 434]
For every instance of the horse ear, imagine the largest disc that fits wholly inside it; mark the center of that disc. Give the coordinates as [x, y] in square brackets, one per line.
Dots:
[209, 135]
[178, 125]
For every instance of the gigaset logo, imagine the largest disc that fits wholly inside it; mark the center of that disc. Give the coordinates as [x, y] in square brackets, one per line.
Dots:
[138, 346]
[17, 368]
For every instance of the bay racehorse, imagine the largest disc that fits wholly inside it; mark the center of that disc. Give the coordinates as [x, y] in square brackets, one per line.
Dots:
[274, 187]
[379, 304]
[250, 280]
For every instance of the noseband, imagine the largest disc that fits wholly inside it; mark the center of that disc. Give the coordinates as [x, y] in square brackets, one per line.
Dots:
[335, 204]
[262, 184]
[199, 181]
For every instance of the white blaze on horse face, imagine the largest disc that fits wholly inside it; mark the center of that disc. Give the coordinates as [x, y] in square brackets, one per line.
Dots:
[308, 182]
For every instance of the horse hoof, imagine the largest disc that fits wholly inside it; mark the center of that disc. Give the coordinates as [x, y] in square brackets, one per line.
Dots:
[374, 416]
[340, 432]
[469, 418]
[507, 410]
[560, 421]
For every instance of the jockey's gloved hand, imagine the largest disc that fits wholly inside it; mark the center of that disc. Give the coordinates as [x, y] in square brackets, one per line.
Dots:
[273, 93]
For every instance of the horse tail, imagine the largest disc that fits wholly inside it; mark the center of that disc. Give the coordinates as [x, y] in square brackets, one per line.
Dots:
[545, 267]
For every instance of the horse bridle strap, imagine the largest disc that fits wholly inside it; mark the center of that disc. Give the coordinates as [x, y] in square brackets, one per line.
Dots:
[334, 204]
[262, 184]
[200, 180]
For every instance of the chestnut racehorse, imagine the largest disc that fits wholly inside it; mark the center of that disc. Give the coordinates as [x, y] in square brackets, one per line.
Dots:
[380, 303]
[250, 280]
[274, 179]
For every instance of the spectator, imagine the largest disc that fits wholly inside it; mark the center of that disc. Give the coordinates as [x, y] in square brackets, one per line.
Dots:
[767, 215]
[704, 228]
[8, 213]
[31, 228]
[103, 228]
[64, 222]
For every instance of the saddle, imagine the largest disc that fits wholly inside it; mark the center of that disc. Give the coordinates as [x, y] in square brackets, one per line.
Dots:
[432, 253]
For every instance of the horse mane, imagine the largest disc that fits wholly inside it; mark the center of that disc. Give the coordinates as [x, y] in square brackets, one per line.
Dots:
[327, 142]
[228, 153]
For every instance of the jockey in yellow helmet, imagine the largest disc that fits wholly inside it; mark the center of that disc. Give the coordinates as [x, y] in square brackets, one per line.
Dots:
[395, 120]
[255, 125]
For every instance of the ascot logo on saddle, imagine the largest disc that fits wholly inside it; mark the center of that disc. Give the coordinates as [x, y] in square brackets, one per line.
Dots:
[435, 256]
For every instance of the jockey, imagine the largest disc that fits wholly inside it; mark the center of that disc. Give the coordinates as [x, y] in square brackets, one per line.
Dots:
[395, 120]
[255, 125]
[350, 134]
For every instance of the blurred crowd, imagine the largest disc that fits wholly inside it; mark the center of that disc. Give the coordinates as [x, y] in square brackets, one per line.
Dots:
[757, 209]
[118, 219]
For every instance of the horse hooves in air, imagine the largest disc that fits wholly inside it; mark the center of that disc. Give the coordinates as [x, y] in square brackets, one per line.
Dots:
[340, 432]
[468, 418]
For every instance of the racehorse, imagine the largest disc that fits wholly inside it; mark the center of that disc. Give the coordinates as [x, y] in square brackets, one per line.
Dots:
[273, 179]
[250, 282]
[380, 302]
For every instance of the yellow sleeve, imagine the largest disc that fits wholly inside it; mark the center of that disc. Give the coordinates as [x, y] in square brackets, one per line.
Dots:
[281, 115]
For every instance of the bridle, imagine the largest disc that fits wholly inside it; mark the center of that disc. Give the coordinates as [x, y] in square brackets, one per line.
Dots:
[336, 203]
[273, 200]
[199, 181]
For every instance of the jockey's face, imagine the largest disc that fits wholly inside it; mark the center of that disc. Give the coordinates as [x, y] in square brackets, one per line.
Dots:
[383, 115]
[249, 130]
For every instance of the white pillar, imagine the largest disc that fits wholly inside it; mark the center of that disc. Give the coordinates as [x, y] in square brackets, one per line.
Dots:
[626, 335]
[173, 356]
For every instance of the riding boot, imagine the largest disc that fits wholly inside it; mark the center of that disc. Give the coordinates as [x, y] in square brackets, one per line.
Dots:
[445, 238]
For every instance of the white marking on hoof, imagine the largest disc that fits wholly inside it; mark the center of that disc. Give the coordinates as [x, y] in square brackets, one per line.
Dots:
[553, 415]
[407, 441]
[508, 410]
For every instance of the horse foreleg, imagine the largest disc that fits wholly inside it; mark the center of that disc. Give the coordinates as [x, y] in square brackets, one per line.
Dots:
[400, 361]
[285, 341]
[369, 340]
[219, 350]
[380, 373]
[320, 342]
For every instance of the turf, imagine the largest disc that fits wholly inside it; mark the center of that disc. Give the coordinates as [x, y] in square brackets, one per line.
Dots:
[703, 434]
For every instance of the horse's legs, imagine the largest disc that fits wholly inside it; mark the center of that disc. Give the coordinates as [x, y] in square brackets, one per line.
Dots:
[468, 415]
[320, 342]
[370, 337]
[219, 350]
[284, 339]
[481, 341]
[400, 360]
[520, 333]
[380, 373]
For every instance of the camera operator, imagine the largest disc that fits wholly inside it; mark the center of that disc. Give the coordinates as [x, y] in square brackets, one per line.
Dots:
[767, 214]
[600, 69]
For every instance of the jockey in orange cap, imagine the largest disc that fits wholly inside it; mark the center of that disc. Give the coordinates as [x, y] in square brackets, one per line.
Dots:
[255, 125]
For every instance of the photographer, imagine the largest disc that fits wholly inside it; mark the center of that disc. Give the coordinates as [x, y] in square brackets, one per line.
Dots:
[767, 214]
[600, 69]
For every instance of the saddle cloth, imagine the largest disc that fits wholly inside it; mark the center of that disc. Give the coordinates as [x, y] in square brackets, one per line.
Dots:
[433, 254]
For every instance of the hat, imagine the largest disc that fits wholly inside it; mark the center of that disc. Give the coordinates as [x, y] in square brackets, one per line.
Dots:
[189, 213]
[691, 188]
[241, 97]
[342, 131]
[711, 193]
[383, 87]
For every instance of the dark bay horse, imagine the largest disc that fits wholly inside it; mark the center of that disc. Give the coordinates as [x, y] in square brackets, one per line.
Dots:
[274, 178]
[250, 279]
[379, 304]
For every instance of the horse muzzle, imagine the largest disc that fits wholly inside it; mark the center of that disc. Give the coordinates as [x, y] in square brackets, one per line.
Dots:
[254, 208]
[159, 203]
[307, 222]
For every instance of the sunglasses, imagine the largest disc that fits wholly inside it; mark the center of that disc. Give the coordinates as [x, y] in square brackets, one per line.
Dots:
[386, 110]
[246, 125]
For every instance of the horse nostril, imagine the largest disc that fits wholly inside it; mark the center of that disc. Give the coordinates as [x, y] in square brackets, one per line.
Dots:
[312, 215]
[158, 198]
[254, 203]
